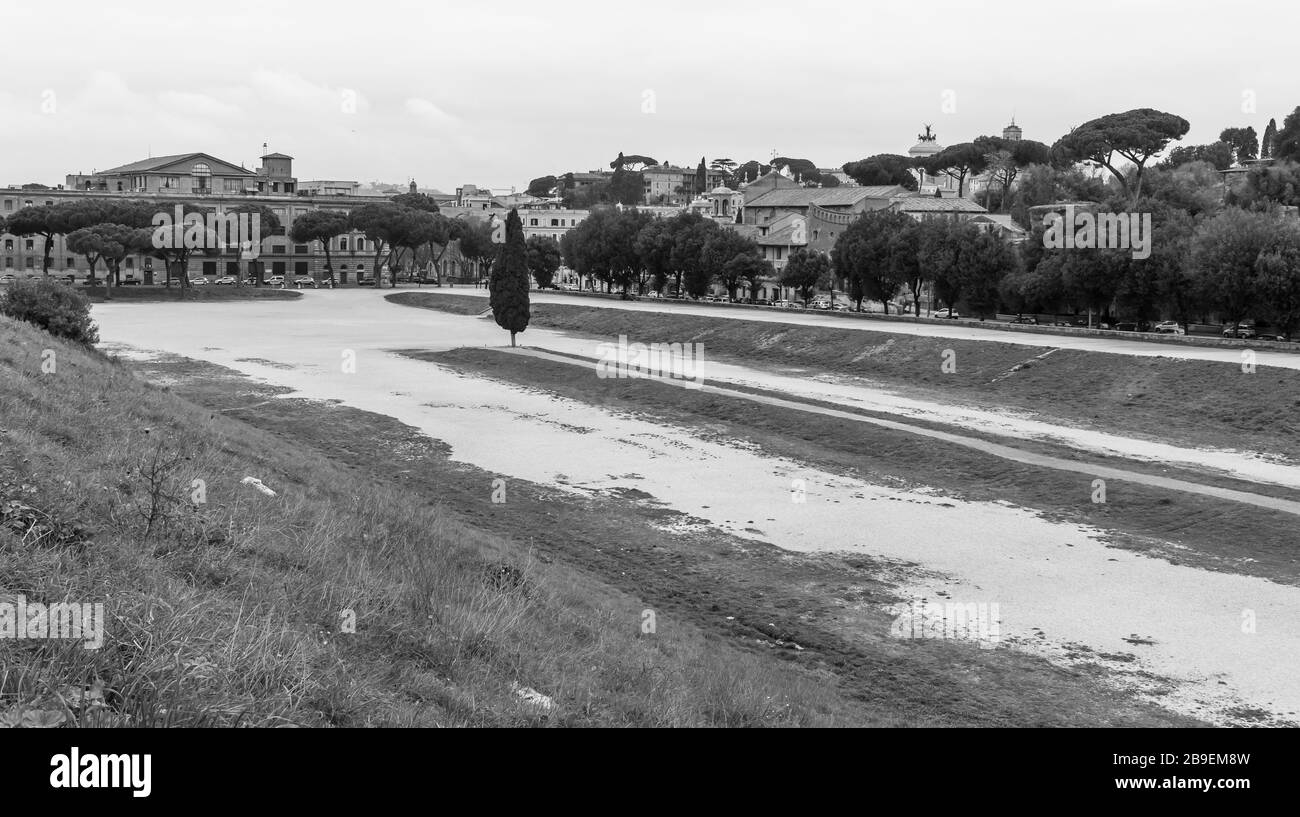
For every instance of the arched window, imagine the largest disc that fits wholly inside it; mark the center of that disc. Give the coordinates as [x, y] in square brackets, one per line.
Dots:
[343, 243]
[202, 176]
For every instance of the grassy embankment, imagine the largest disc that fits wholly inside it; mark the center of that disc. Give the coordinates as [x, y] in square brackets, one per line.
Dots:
[143, 294]
[1184, 402]
[232, 611]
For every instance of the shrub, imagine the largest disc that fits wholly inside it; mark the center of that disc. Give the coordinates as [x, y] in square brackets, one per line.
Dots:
[53, 306]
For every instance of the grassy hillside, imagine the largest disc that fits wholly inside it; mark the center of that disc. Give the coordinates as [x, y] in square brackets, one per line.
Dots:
[233, 610]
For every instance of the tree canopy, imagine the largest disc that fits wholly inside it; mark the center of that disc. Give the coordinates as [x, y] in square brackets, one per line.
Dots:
[508, 284]
[882, 169]
[1135, 135]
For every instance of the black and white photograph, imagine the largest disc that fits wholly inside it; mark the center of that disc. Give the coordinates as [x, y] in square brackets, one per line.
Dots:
[517, 365]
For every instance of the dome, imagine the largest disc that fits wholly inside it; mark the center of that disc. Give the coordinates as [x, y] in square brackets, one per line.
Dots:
[925, 149]
[723, 190]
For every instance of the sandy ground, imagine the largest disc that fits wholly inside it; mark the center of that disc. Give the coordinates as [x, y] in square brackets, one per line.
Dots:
[1055, 584]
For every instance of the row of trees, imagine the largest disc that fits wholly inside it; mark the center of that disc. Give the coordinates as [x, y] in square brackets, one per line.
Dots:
[635, 251]
[885, 253]
[408, 226]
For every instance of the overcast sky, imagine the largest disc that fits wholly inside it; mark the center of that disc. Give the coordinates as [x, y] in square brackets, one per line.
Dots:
[497, 93]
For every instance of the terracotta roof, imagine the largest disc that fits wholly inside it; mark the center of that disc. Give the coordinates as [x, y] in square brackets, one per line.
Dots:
[158, 162]
[822, 196]
[929, 204]
[777, 238]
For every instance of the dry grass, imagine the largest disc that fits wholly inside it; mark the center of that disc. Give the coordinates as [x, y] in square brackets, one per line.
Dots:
[230, 611]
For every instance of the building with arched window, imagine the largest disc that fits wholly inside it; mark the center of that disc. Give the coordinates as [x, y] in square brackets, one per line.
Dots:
[192, 174]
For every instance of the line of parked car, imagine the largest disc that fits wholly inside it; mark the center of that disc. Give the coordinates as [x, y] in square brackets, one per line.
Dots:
[281, 281]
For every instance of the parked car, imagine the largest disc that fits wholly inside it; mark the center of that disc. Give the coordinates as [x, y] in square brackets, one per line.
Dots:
[840, 306]
[1024, 320]
[7, 278]
[820, 303]
[225, 280]
[304, 281]
[275, 281]
[367, 281]
[1270, 336]
[1169, 328]
[1127, 326]
[1241, 330]
[198, 282]
[947, 313]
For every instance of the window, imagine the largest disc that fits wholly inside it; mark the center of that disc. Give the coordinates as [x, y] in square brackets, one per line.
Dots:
[9, 244]
[233, 185]
[555, 222]
[300, 268]
[532, 222]
[301, 249]
[29, 244]
[169, 182]
[9, 204]
[277, 249]
[71, 263]
[9, 263]
[130, 263]
[361, 245]
[49, 202]
[343, 243]
[202, 175]
[29, 262]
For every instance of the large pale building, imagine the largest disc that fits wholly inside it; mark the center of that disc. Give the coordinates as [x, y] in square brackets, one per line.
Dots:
[203, 179]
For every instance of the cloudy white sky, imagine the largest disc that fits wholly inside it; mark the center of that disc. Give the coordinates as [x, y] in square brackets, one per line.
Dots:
[497, 93]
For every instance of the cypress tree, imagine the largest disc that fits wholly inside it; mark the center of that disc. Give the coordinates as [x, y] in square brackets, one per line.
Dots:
[1270, 133]
[508, 283]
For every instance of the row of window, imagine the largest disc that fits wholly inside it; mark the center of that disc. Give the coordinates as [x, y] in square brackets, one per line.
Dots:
[9, 203]
[555, 222]
[69, 264]
[278, 249]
